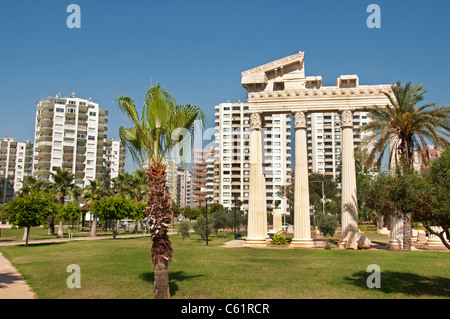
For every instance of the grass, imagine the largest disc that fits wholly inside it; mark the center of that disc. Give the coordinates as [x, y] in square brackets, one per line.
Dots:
[38, 233]
[122, 268]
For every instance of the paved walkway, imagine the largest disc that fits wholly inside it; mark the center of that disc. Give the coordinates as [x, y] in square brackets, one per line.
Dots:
[12, 284]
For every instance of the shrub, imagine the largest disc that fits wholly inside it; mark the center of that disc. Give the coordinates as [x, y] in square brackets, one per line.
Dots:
[279, 240]
[327, 225]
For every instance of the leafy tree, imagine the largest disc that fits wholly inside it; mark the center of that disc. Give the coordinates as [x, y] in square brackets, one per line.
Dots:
[184, 229]
[69, 213]
[200, 227]
[163, 126]
[218, 220]
[113, 208]
[191, 212]
[433, 198]
[405, 127]
[138, 214]
[31, 210]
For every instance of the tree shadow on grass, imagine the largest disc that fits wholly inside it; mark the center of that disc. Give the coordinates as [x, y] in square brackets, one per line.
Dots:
[405, 283]
[174, 278]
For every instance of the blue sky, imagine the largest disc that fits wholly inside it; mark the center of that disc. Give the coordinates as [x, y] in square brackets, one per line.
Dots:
[198, 49]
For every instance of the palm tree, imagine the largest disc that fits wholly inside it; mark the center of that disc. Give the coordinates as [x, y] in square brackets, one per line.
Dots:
[31, 184]
[406, 127]
[95, 191]
[63, 181]
[139, 185]
[121, 185]
[151, 136]
[75, 194]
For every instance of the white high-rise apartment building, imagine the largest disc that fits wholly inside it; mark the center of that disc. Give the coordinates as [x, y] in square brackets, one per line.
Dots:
[15, 166]
[70, 133]
[325, 142]
[232, 155]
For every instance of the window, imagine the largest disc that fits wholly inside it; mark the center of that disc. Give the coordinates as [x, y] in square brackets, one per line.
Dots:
[93, 113]
[59, 109]
[91, 138]
[72, 102]
[71, 110]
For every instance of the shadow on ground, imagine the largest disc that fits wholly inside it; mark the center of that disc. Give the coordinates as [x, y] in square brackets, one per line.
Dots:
[8, 278]
[405, 283]
[174, 278]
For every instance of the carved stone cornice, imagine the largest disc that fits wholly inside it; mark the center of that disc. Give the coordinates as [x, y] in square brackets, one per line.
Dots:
[324, 92]
[276, 64]
[300, 120]
[256, 120]
[347, 118]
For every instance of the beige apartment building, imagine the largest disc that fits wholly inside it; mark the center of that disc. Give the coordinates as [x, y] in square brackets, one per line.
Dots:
[232, 156]
[15, 166]
[202, 176]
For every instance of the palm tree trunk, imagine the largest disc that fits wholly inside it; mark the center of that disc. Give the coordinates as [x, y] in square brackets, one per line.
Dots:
[162, 290]
[60, 230]
[94, 226]
[159, 209]
[407, 230]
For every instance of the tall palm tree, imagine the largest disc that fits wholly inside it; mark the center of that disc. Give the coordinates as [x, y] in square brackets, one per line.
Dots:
[151, 137]
[94, 191]
[63, 181]
[405, 127]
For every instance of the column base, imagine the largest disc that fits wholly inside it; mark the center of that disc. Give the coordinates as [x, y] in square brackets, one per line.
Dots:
[255, 242]
[395, 244]
[302, 243]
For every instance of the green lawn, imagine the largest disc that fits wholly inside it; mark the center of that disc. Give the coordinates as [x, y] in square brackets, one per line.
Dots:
[37, 233]
[121, 268]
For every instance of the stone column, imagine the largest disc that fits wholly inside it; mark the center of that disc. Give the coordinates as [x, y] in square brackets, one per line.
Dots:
[302, 226]
[277, 220]
[434, 240]
[396, 240]
[349, 218]
[257, 208]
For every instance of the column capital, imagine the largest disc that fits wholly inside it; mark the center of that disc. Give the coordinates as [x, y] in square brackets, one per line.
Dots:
[256, 120]
[347, 118]
[300, 119]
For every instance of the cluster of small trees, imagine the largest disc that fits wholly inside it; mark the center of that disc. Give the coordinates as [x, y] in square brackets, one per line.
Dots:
[42, 202]
[218, 218]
